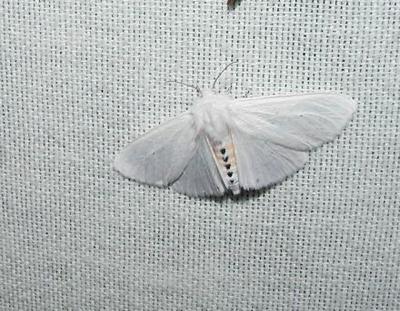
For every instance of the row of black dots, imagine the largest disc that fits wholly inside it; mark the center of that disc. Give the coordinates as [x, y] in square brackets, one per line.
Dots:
[225, 158]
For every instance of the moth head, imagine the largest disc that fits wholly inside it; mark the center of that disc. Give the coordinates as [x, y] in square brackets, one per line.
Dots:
[208, 93]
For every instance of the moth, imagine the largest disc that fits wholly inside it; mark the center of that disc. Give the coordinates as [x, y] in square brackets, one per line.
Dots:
[227, 145]
[231, 3]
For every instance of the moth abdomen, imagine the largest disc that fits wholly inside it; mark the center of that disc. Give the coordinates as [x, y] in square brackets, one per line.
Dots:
[225, 158]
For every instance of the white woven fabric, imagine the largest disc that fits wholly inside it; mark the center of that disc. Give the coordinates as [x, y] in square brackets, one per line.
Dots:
[79, 80]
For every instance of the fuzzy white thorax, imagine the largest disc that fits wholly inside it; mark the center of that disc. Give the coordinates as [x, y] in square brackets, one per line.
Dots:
[211, 113]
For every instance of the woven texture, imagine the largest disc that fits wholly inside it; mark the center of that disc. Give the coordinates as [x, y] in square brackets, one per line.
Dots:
[79, 80]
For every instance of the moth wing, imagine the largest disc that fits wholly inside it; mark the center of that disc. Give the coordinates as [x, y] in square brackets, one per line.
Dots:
[160, 156]
[273, 134]
[300, 122]
[261, 163]
[201, 176]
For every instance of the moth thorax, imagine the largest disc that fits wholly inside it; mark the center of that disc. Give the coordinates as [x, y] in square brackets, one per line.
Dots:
[216, 126]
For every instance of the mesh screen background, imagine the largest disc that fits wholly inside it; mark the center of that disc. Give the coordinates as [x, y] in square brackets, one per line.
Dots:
[81, 79]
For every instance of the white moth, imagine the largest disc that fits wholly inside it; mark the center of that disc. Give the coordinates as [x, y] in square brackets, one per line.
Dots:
[225, 145]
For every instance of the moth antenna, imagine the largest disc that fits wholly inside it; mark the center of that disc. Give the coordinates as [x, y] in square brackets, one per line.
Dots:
[188, 85]
[223, 70]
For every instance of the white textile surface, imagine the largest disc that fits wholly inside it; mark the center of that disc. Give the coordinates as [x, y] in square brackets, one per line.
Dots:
[81, 79]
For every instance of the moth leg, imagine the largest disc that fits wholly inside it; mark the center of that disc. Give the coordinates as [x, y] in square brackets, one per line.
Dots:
[229, 89]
